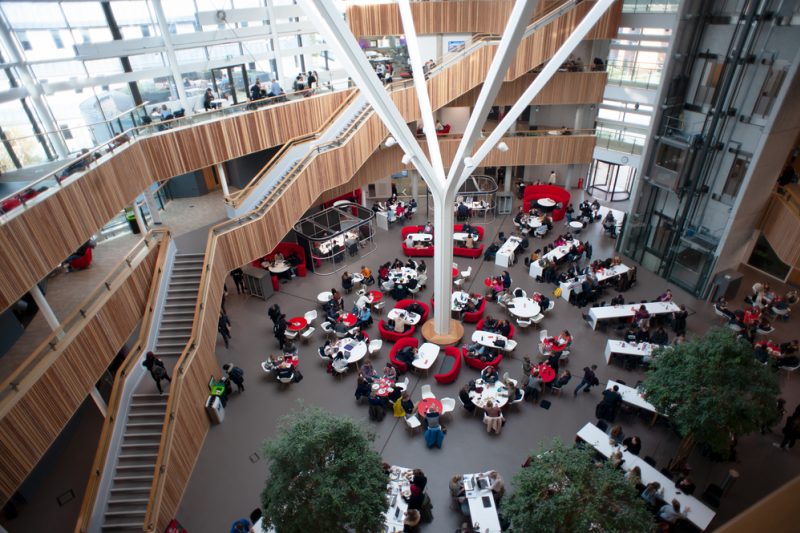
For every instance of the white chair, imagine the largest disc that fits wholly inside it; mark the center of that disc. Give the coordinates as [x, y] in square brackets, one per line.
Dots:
[422, 280]
[403, 385]
[287, 381]
[341, 335]
[465, 409]
[542, 335]
[764, 331]
[413, 423]
[311, 316]
[506, 378]
[783, 313]
[448, 406]
[392, 217]
[550, 307]
[466, 274]
[490, 423]
[509, 347]
[426, 392]
[540, 232]
[375, 348]
[289, 334]
[538, 318]
[325, 358]
[734, 327]
[327, 328]
[267, 370]
[455, 265]
[722, 316]
[517, 402]
[378, 307]
[524, 294]
[307, 334]
[458, 283]
[387, 286]
[524, 324]
[413, 292]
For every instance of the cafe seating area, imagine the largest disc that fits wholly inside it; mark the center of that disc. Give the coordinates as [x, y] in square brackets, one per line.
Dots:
[536, 192]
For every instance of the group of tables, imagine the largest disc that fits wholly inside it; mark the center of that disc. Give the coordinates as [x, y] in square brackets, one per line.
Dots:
[554, 255]
[574, 285]
[505, 255]
[698, 513]
[625, 311]
[641, 349]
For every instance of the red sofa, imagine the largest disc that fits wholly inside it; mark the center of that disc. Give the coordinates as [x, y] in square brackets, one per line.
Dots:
[468, 252]
[399, 345]
[411, 229]
[354, 197]
[479, 326]
[82, 262]
[445, 131]
[451, 366]
[417, 252]
[403, 304]
[285, 248]
[477, 315]
[458, 228]
[392, 335]
[535, 192]
[477, 363]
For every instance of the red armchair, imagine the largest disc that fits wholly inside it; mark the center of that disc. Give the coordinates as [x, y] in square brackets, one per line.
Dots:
[445, 131]
[417, 252]
[399, 345]
[451, 366]
[391, 335]
[403, 304]
[559, 194]
[468, 252]
[477, 363]
[479, 327]
[477, 315]
[82, 262]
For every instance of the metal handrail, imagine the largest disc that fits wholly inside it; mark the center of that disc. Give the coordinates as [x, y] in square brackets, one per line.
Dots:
[130, 362]
[46, 354]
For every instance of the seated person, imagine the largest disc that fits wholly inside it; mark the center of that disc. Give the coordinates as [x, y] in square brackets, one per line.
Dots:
[432, 418]
[406, 355]
[641, 314]
[289, 349]
[333, 313]
[564, 339]
[791, 297]
[347, 281]
[390, 372]
[368, 371]
[643, 335]
[660, 337]
[489, 374]
[552, 360]
[630, 335]
[416, 309]
[469, 242]
[665, 297]
[564, 379]
[489, 324]
[504, 328]
[399, 325]
[341, 328]
[671, 512]
[285, 371]
[374, 399]
[722, 307]
[363, 388]
[428, 229]
[364, 316]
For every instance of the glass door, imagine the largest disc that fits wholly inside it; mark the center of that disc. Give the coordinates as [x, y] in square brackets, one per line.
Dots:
[610, 181]
[231, 83]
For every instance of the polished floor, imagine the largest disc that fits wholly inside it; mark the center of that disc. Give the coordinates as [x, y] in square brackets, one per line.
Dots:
[230, 471]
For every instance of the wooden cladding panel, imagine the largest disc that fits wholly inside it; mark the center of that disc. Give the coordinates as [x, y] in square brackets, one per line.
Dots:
[563, 88]
[36, 419]
[780, 226]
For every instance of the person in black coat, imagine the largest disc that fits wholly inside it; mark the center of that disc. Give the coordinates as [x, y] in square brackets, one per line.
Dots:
[660, 337]
[363, 388]
[678, 323]
[415, 500]
[633, 445]
[606, 409]
[274, 313]
[463, 394]
[151, 362]
[238, 279]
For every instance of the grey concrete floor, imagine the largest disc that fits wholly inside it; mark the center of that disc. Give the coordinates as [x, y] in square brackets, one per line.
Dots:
[251, 417]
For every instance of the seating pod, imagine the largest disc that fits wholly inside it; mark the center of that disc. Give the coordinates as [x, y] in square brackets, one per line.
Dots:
[468, 252]
[480, 327]
[403, 304]
[477, 315]
[284, 248]
[417, 252]
[82, 262]
[558, 194]
[391, 335]
[411, 229]
[399, 345]
[477, 363]
[459, 228]
[451, 366]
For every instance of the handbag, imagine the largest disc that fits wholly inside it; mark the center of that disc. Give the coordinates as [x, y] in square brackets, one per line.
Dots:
[499, 343]
[298, 377]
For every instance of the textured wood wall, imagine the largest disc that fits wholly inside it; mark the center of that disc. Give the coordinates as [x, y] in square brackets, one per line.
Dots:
[780, 225]
[34, 417]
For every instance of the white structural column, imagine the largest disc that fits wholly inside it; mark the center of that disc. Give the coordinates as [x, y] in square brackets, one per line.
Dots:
[171, 57]
[44, 307]
[414, 175]
[34, 90]
[139, 220]
[99, 401]
[276, 45]
[223, 179]
[152, 206]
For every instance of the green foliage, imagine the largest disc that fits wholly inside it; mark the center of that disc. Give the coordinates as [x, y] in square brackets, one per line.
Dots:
[324, 475]
[562, 491]
[712, 389]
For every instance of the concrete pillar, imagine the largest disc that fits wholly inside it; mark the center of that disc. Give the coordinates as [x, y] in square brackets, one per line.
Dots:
[568, 181]
[414, 175]
[442, 263]
[44, 307]
[171, 57]
[223, 179]
[579, 117]
[139, 220]
[152, 206]
[276, 46]
[439, 48]
[99, 401]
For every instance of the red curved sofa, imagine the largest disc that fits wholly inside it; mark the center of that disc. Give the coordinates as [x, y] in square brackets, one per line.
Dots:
[535, 192]
[82, 262]
[399, 345]
[451, 366]
[458, 228]
[479, 327]
[354, 197]
[477, 315]
[477, 363]
[403, 304]
[392, 335]
[468, 252]
[411, 229]
[445, 131]
[285, 248]
[417, 252]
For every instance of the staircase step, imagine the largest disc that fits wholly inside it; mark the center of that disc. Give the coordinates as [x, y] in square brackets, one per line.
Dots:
[133, 478]
[124, 490]
[131, 468]
[139, 456]
[144, 424]
[143, 445]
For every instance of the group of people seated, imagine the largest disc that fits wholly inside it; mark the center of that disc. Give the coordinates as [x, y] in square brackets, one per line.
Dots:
[489, 353]
[293, 260]
[471, 305]
[399, 285]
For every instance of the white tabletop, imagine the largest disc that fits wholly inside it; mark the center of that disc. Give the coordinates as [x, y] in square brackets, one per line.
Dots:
[357, 278]
[534, 222]
[485, 516]
[505, 253]
[546, 202]
[574, 284]
[460, 236]
[218, 102]
[632, 396]
[602, 443]
[327, 246]
[524, 308]
[394, 518]
[357, 353]
[324, 296]
[341, 202]
[654, 308]
[490, 392]
[575, 224]
[404, 275]
[557, 253]
[642, 349]
[419, 237]
[458, 300]
[426, 356]
[279, 267]
[484, 338]
[411, 318]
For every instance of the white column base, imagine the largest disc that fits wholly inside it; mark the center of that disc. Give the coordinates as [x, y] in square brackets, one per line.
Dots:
[44, 307]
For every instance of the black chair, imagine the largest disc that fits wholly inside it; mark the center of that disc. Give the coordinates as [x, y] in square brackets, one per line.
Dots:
[353, 249]
[712, 495]
[621, 382]
[255, 516]
[602, 426]
[502, 236]
[667, 474]
[649, 460]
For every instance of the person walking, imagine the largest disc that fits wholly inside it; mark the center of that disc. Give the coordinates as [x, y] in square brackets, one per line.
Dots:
[588, 379]
[157, 369]
[224, 327]
[238, 279]
[236, 374]
[791, 432]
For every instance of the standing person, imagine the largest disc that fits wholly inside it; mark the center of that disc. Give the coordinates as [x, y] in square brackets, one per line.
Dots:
[552, 179]
[280, 330]
[238, 279]
[791, 432]
[224, 327]
[242, 525]
[157, 369]
[274, 313]
[588, 379]
[236, 374]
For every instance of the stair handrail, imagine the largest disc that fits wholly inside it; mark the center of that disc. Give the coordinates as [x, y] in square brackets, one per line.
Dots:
[125, 369]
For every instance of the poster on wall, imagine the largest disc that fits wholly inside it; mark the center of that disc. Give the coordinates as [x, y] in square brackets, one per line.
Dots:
[455, 46]
[175, 527]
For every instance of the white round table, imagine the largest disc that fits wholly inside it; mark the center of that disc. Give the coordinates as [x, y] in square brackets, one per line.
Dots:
[546, 202]
[357, 278]
[575, 225]
[524, 308]
[404, 275]
[324, 297]
[280, 267]
[489, 392]
[357, 353]
[340, 202]
[534, 222]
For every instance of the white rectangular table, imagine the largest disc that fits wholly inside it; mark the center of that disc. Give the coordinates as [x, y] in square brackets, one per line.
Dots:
[601, 442]
[419, 237]
[484, 338]
[382, 220]
[460, 236]
[394, 518]
[641, 349]
[574, 284]
[458, 297]
[426, 357]
[505, 254]
[557, 253]
[633, 397]
[629, 310]
[485, 516]
[411, 318]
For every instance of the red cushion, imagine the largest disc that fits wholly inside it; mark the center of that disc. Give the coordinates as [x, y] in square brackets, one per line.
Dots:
[453, 374]
[468, 252]
[479, 326]
[477, 363]
[301, 270]
[417, 252]
[403, 304]
[354, 197]
[477, 315]
[84, 261]
[559, 194]
[392, 335]
[257, 263]
[399, 345]
[444, 131]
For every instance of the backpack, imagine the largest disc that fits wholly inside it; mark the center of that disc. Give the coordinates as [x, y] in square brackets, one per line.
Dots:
[298, 377]
[158, 372]
[236, 372]
[557, 292]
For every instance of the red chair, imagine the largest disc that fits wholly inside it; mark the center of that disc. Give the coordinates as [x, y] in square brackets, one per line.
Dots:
[445, 131]
[477, 363]
[477, 315]
[417, 252]
[82, 262]
[479, 327]
[399, 345]
[468, 252]
[403, 304]
[391, 335]
[451, 366]
[559, 194]
[284, 248]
